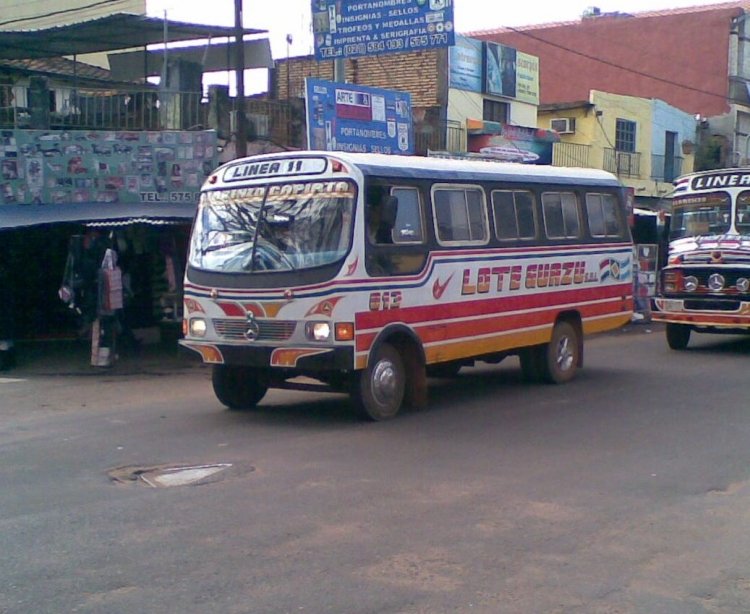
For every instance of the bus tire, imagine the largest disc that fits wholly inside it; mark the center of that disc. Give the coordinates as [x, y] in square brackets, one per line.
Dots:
[678, 336]
[562, 354]
[379, 390]
[238, 387]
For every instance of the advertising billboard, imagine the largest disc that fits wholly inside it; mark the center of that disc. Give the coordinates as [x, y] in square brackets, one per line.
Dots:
[346, 117]
[465, 61]
[511, 73]
[356, 28]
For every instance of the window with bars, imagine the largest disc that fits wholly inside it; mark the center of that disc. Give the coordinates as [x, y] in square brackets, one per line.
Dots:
[495, 111]
[625, 135]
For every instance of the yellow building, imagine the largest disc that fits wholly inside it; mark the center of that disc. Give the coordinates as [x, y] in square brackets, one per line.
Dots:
[645, 142]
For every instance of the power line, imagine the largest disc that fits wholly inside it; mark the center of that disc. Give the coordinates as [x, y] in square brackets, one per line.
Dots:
[62, 12]
[615, 65]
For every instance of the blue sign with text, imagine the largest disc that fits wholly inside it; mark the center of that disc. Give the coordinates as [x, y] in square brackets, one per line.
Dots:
[356, 28]
[346, 117]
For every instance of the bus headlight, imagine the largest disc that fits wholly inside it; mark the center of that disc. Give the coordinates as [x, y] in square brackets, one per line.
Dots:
[318, 331]
[690, 283]
[743, 284]
[198, 327]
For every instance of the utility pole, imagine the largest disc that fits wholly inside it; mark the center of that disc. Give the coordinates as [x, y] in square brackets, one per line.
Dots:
[240, 136]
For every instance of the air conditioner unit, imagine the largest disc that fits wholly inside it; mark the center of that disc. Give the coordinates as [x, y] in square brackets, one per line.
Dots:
[563, 125]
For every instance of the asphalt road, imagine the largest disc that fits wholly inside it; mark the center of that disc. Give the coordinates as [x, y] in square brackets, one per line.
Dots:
[624, 491]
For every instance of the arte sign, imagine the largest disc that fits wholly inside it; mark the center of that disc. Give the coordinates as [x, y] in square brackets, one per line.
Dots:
[346, 117]
[356, 28]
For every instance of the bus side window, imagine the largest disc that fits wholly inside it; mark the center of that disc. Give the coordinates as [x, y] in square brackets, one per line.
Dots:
[460, 214]
[601, 212]
[561, 219]
[514, 214]
[408, 227]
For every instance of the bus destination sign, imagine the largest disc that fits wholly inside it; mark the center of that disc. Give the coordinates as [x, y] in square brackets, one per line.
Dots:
[284, 167]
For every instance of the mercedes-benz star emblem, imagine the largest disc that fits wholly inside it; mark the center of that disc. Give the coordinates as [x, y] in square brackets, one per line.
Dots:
[252, 328]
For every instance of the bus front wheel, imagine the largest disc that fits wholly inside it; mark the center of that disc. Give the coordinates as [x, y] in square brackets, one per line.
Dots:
[379, 390]
[678, 336]
[238, 387]
[562, 354]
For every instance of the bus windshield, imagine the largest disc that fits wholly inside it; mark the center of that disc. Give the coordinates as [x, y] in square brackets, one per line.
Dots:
[693, 216]
[276, 228]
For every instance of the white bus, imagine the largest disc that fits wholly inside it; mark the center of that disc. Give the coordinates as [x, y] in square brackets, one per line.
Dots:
[365, 273]
[705, 285]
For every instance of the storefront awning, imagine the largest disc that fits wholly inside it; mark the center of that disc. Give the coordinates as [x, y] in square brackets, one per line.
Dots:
[22, 216]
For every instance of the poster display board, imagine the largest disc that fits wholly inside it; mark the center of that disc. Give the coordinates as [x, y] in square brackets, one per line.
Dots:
[57, 167]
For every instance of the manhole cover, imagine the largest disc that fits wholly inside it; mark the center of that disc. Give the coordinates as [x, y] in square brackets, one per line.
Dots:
[165, 476]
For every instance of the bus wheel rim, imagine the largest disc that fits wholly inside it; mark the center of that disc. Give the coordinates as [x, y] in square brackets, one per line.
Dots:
[564, 354]
[384, 382]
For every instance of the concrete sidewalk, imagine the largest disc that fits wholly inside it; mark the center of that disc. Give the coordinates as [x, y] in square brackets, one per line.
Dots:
[73, 358]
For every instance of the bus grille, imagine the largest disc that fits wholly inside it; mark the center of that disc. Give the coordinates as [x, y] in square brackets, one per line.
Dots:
[712, 305]
[270, 330]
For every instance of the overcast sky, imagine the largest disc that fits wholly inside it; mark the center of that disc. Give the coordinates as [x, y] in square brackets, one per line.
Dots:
[283, 17]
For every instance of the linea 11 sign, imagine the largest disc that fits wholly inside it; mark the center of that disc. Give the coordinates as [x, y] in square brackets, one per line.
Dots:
[356, 28]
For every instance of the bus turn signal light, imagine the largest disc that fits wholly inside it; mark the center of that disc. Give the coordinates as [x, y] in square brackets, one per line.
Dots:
[344, 331]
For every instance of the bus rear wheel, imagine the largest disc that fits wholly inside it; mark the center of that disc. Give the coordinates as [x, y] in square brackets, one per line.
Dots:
[379, 390]
[562, 354]
[678, 336]
[238, 387]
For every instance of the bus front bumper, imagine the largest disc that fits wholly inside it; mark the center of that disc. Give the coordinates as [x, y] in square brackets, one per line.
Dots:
[674, 311]
[303, 359]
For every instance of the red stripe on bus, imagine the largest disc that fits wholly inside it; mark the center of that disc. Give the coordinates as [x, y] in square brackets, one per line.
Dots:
[479, 306]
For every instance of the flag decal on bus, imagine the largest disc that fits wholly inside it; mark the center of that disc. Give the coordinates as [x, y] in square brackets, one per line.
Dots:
[610, 268]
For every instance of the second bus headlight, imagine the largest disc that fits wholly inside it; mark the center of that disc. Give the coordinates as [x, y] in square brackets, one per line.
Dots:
[318, 331]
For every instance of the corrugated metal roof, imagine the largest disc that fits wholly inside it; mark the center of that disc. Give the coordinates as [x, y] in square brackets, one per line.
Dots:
[59, 67]
[109, 33]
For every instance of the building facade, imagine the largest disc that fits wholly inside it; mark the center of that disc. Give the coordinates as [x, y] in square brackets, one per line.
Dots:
[647, 143]
[695, 59]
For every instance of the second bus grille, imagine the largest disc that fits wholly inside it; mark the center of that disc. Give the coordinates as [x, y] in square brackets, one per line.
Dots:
[270, 330]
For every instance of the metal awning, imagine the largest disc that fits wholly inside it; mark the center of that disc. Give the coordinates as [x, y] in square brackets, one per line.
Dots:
[24, 216]
[212, 57]
[109, 33]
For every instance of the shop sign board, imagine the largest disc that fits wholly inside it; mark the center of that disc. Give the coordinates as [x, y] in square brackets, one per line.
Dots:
[45, 167]
[465, 60]
[511, 73]
[346, 117]
[357, 28]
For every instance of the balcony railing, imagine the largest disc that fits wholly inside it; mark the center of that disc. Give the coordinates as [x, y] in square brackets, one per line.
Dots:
[622, 163]
[439, 136]
[570, 154]
[666, 169]
[109, 109]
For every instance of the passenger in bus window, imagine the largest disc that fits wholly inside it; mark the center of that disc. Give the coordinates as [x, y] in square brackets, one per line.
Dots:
[381, 216]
